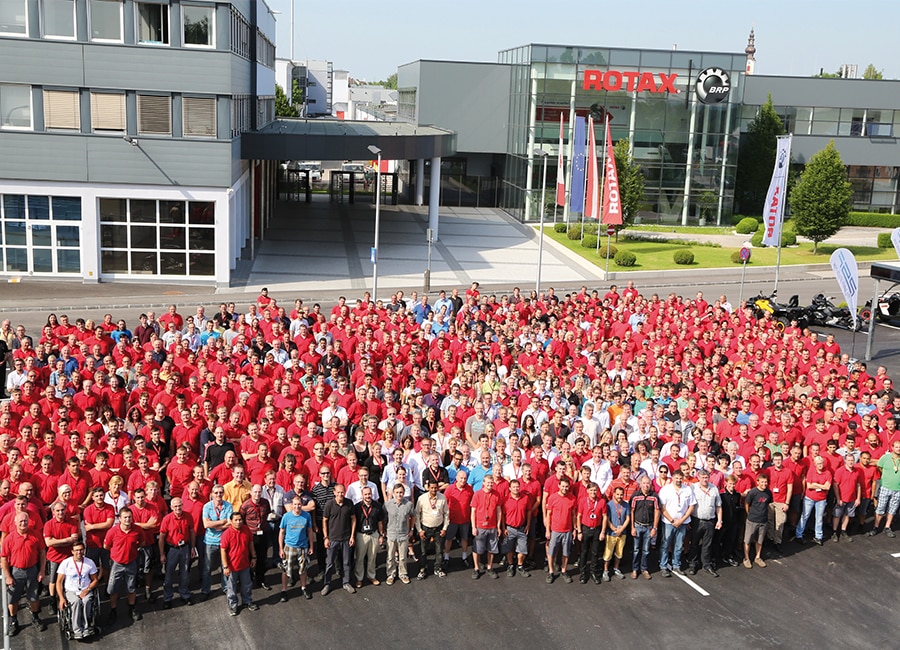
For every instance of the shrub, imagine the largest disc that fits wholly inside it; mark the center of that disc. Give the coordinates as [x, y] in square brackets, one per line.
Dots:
[589, 241]
[625, 258]
[683, 257]
[746, 226]
[561, 227]
[591, 228]
[574, 232]
[884, 240]
[613, 251]
[736, 257]
[756, 239]
[873, 220]
[788, 237]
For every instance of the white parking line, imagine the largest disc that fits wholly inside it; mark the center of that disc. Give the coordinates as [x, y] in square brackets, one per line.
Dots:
[895, 554]
[693, 585]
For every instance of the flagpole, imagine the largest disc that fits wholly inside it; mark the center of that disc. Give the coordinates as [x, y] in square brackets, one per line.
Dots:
[602, 182]
[778, 259]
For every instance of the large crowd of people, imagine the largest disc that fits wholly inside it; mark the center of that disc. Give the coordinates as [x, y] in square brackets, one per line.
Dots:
[582, 436]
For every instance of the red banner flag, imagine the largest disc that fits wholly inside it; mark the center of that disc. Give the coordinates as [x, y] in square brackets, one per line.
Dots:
[592, 196]
[560, 173]
[612, 204]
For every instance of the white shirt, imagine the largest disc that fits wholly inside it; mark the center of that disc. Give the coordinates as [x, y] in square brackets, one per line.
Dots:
[78, 576]
[676, 501]
[601, 473]
[354, 491]
[338, 412]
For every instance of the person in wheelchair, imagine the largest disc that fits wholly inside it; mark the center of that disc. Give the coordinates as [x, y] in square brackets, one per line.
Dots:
[76, 582]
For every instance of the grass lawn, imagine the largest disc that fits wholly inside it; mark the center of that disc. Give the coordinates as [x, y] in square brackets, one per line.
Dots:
[652, 256]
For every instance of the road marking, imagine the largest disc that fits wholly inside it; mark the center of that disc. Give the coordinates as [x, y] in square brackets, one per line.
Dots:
[693, 585]
[895, 554]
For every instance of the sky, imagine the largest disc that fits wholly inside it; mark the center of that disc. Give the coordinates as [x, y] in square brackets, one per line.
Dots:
[793, 37]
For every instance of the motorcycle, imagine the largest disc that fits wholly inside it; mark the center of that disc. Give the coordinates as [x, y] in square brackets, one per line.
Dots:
[782, 314]
[824, 312]
[888, 307]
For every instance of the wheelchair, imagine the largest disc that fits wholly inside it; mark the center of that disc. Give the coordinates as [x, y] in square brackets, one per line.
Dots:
[65, 619]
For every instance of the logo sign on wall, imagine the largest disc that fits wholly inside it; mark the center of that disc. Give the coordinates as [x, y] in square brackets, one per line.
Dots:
[713, 86]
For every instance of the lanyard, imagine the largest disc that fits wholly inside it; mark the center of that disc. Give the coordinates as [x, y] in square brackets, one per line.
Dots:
[619, 512]
[366, 513]
[78, 570]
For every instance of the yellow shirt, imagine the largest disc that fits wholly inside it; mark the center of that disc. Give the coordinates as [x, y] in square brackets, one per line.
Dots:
[236, 494]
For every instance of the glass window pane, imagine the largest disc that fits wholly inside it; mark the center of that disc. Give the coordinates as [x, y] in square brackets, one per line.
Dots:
[42, 260]
[143, 211]
[14, 232]
[143, 237]
[14, 206]
[16, 259]
[68, 236]
[113, 262]
[144, 263]
[13, 17]
[66, 208]
[113, 210]
[173, 263]
[153, 23]
[59, 18]
[106, 20]
[202, 239]
[202, 264]
[202, 213]
[197, 25]
[39, 207]
[15, 106]
[171, 211]
[68, 261]
[113, 236]
[41, 235]
[171, 238]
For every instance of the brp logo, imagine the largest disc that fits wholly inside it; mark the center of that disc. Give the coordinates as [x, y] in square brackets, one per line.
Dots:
[713, 86]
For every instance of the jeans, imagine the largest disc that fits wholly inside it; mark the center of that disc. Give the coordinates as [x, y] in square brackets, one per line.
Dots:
[667, 561]
[177, 560]
[239, 579]
[808, 506]
[338, 549]
[213, 558]
[641, 554]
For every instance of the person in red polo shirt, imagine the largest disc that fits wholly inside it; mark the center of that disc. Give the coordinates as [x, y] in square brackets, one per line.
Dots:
[459, 501]
[98, 517]
[177, 538]
[22, 557]
[818, 483]
[781, 483]
[559, 521]
[238, 556]
[122, 541]
[487, 520]
[517, 515]
[59, 535]
[847, 487]
[590, 523]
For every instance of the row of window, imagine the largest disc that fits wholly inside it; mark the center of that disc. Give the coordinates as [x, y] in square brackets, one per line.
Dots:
[824, 120]
[40, 234]
[62, 111]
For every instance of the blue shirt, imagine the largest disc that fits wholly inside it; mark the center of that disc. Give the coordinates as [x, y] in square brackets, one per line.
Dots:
[421, 312]
[295, 529]
[212, 536]
[617, 513]
[477, 474]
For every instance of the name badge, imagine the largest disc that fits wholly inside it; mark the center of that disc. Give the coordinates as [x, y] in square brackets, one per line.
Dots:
[259, 532]
[367, 528]
[775, 490]
[593, 515]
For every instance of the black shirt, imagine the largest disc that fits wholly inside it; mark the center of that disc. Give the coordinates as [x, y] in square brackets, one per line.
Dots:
[215, 453]
[759, 501]
[322, 494]
[339, 519]
[367, 517]
[731, 507]
[644, 507]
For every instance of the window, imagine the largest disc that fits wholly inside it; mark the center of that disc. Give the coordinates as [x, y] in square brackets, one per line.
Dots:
[15, 107]
[62, 110]
[199, 25]
[153, 23]
[59, 18]
[40, 234]
[199, 114]
[240, 34]
[155, 114]
[240, 114]
[106, 20]
[13, 17]
[107, 112]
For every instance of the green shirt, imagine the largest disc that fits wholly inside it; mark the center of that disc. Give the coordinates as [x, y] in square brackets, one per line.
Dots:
[890, 472]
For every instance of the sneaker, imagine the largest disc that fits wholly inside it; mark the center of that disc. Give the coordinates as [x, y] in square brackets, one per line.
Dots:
[583, 579]
[605, 576]
[872, 533]
[647, 575]
[326, 590]
[283, 598]
[847, 538]
[692, 571]
[550, 578]
[712, 572]
[476, 574]
[375, 582]
[136, 615]
[253, 607]
[835, 537]
[619, 574]
[748, 564]
[596, 579]
[359, 584]
[389, 581]
[37, 623]
[265, 586]
[439, 573]
[404, 579]
[522, 571]
[634, 575]
[678, 570]
[493, 573]
[188, 601]
[890, 533]
[567, 578]
[511, 571]
[818, 541]
[14, 624]
[760, 562]
[232, 611]
[306, 594]
[350, 589]
[421, 575]
[731, 562]
[666, 573]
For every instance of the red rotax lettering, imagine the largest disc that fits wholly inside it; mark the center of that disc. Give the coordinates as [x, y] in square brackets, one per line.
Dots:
[612, 80]
[646, 83]
[593, 80]
[631, 78]
[667, 83]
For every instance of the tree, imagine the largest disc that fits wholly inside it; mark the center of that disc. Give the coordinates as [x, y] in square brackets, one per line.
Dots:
[283, 107]
[757, 158]
[631, 183]
[871, 73]
[296, 95]
[821, 199]
[390, 83]
[707, 202]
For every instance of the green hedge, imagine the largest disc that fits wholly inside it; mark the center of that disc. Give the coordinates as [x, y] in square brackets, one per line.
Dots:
[884, 240]
[589, 241]
[561, 227]
[613, 251]
[788, 237]
[574, 232]
[737, 218]
[746, 226]
[625, 258]
[736, 257]
[683, 257]
[873, 220]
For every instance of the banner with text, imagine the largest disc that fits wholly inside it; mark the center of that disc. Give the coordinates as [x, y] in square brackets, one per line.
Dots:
[773, 212]
[846, 270]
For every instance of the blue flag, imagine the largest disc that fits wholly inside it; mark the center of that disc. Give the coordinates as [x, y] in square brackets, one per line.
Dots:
[579, 146]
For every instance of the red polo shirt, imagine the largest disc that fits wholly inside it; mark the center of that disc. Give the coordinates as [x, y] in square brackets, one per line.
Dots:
[485, 505]
[515, 511]
[59, 530]
[779, 480]
[176, 529]
[123, 545]
[561, 509]
[22, 551]
[236, 544]
[592, 511]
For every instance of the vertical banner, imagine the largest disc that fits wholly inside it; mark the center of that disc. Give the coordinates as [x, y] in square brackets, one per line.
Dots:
[592, 199]
[773, 211]
[560, 172]
[612, 203]
[576, 192]
[895, 240]
[846, 270]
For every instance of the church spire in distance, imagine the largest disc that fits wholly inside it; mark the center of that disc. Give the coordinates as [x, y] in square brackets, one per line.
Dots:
[751, 52]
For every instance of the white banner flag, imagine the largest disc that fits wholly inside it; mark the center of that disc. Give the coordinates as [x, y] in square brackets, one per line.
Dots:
[895, 240]
[773, 212]
[846, 270]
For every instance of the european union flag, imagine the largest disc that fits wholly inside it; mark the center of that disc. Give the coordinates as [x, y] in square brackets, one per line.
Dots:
[579, 157]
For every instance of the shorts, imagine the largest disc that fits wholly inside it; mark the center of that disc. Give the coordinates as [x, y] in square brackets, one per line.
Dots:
[486, 541]
[463, 531]
[516, 540]
[864, 505]
[123, 576]
[888, 501]
[295, 561]
[146, 559]
[755, 532]
[100, 557]
[25, 583]
[560, 541]
[615, 545]
[796, 503]
[846, 510]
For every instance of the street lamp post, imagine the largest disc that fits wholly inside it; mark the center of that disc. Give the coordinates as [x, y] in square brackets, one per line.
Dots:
[537, 285]
[375, 150]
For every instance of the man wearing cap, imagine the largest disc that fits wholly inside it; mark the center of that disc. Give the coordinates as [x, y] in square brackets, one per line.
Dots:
[22, 557]
[707, 520]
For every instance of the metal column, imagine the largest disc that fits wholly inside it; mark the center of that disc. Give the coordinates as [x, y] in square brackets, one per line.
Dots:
[434, 196]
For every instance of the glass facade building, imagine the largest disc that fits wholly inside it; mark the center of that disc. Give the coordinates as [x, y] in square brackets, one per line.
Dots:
[685, 147]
